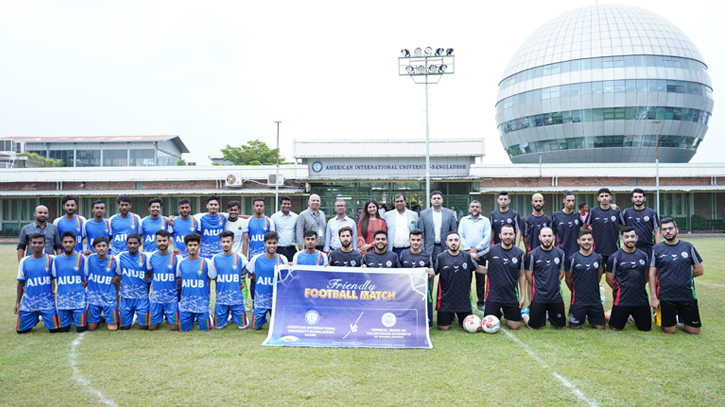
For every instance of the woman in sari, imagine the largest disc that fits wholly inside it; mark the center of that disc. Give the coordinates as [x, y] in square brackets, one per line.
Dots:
[370, 222]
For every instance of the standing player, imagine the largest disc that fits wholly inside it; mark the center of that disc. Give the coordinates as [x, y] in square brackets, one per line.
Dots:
[152, 223]
[544, 271]
[70, 281]
[381, 257]
[566, 224]
[506, 289]
[229, 281]
[236, 225]
[415, 257]
[345, 256]
[98, 226]
[310, 256]
[257, 227]
[504, 216]
[182, 226]
[103, 272]
[583, 274]
[673, 268]
[535, 222]
[285, 224]
[194, 276]
[644, 220]
[211, 224]
[71, 221]
[455, 268]
[123, 224]
[163, 299]
[35, 291]
[261, 267]
[134, 285]
[627, 274]
[605, 220]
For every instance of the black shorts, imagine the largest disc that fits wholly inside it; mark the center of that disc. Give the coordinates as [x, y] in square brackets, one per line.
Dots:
[511, 312]
[594, 312]
[687, 311]
[538, 311]
[642, 316]
[446, 318]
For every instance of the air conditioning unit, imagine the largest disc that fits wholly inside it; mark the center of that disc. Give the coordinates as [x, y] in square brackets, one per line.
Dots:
[233, 181]
[271, 178]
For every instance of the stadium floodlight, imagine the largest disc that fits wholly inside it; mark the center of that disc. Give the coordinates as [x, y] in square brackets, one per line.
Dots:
[421, 69]
[418, 52]
[442, 68]
[428, 50]
[439, 52]
[410, 69]
[449, 51]
[405, 52]
[432, 69]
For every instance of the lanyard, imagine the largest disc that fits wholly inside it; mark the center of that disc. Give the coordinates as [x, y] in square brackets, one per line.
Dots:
[314, 217]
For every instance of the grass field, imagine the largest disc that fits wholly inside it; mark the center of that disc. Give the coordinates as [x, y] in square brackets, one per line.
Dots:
[230, 367]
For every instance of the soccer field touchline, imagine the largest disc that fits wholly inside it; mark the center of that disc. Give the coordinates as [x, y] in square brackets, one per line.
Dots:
[78, 377]
[711, 284]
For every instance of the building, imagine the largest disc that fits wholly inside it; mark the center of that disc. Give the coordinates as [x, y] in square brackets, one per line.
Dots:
[604, 83]
[105, 151]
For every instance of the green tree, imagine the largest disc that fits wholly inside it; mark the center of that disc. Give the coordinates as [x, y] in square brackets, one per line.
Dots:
[255, 152]
[180, 162]
[34, 161]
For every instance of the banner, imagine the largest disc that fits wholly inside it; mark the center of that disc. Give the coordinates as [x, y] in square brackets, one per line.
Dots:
[317, 306]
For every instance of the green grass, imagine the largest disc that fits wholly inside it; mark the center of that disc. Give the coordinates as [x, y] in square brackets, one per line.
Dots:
[230, 367]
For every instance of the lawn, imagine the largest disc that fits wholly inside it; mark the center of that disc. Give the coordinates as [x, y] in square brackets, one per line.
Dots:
[230, 367]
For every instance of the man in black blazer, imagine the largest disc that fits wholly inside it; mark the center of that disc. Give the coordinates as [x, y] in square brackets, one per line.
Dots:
[436, 222]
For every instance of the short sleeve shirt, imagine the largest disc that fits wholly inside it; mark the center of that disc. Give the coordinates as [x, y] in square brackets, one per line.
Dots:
[629, 271]
[605, 229]
[229, 271]
[532, 227]
[674, 263]
[585, 278]
[545, 267]
[504, 267]
[409, 259]
[644, 223]
[386, 260]
[338, 258]
[454, 284]
[498, 219]
[566, 229]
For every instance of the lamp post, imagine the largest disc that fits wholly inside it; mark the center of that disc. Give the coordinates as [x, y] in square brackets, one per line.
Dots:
[426, 68]
[657, 163]
[276, 179]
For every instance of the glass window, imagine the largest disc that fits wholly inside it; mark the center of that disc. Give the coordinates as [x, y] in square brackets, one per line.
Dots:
[576, 116]
[619, 86]
[608, 87]
[631, 85]
[629, 112]
[585, 88]
[597, 114]
[651, 85]
[608, 113]
[575, 89]
[619, 113]
[597, 88]
[564, 91]
[566, 116]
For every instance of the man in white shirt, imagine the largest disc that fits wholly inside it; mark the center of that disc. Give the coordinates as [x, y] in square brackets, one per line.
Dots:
[332, 239]
[399, 223]
[285, 222]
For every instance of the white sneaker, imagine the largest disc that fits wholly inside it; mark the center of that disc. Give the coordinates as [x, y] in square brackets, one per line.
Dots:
[135, 318]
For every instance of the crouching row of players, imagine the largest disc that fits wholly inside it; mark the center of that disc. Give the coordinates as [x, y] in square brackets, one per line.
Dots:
[71, 289]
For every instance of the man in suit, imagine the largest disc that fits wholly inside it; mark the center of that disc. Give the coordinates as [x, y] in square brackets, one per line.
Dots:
[435, 223]
[400, 222]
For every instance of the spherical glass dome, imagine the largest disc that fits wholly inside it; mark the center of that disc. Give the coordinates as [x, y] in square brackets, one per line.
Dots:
[604, 83]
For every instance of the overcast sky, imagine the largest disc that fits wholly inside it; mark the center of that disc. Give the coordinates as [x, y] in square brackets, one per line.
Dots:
[218, 72]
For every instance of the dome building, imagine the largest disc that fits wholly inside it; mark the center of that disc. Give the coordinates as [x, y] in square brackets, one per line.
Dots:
[601, 84]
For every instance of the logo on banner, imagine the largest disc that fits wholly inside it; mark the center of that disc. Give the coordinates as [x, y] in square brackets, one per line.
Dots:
[312, 317]
[388, 319]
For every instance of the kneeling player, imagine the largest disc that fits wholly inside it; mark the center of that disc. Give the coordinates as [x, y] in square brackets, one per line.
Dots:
[416, 257]
[582, 277]
[310, 256]
[627, 273]
[103, 279]
[164, 297]
[194, 275]
[35, 291]
[70, 280]
[229, 284]
[544, 271]
[261, 268]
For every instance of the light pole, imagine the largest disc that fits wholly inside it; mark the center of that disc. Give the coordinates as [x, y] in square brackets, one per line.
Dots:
[276, 179]
[657, 164]
[426, 68]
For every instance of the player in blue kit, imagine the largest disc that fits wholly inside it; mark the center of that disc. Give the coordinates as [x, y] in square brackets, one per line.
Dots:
[35, 291]
[69, 275]
[134, 285]
[123, 224]
[544, 271]
[103, 273]
[257, 226]
[583, 273]
[183, 225]
[230, 268]
[211, 224]
[310, 256]
[163, 299]
[152, 223]
[194, 276]
[97, 226]
[261, 268]
[71, 221]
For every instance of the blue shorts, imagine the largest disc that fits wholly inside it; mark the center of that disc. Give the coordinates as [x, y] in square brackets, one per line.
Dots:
[138, 305]
[205, 319]
[29, 319]
[239, 315]
[110, 313]
[157, 310]
[259, 317]
[77, 317]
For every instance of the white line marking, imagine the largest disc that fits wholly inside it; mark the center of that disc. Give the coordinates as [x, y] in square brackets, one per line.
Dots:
[711, 284]
[78, 377]
[558, 377]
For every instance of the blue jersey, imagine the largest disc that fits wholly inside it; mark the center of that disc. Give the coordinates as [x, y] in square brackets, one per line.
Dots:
[195, 276]
[74, 225]
[181, 228]
[69, 274]
[133, 275]
[163, 280]
[95, 229]
[256, 228]
[38, 295]
[229, 277]
[121, 228]
[263, 270]
[100, 272]
[305, 259]
[149, 227]
[209, 228]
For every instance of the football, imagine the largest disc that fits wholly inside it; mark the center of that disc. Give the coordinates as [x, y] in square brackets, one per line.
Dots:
[472, 324]
[490, 324]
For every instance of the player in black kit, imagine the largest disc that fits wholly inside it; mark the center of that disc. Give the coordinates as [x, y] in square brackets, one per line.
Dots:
[566, 224]
[535, 222]
[345, 256]
[644, 220]
[381, 257]
[627, 274]
[604, 221]
[583, 273]
[544, 271]
[416, 257]
[504, 216]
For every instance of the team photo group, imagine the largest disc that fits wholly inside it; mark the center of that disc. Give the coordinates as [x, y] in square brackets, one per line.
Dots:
[126, 270]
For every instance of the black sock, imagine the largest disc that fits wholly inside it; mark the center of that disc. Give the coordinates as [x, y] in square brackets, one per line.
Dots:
[25, 331]
[80, 329]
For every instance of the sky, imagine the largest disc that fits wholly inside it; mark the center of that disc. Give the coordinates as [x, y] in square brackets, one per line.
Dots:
[222, 72]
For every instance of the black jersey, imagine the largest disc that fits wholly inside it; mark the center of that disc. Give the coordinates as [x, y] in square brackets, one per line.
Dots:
[585, 278]
[644, 223]
[454, 284]
[409, 259]
[605, 229]
[566, 228]
[545, 267]
[630, 271]
[498, 219]
[674, 270]
[339, 258]
[532, 227]
[386, 260]
[504, 267]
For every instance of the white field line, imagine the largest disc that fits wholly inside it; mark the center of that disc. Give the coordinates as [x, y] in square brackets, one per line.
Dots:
[78, 377]
[711, 284]
[558, 377]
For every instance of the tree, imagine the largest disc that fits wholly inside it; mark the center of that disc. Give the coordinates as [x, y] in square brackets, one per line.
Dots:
[180, 162]
[34, 161]
[255, 152]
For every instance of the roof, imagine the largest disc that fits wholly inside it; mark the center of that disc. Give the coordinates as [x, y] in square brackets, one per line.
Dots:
[98, 139]
[594, 189]
[156, 192]
[340, 148]
[597, 170]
